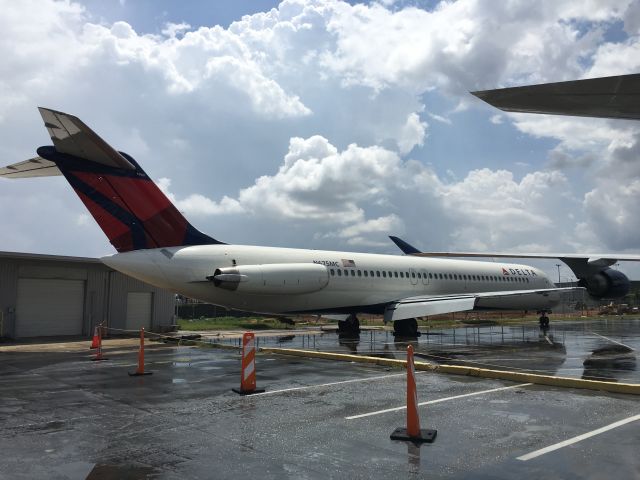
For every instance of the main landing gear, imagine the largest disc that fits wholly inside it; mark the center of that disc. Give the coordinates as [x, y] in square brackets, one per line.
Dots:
[406, 328]
[350, 326]
[544, 321]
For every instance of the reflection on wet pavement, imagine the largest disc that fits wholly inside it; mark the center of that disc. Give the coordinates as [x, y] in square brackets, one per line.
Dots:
[591, 349]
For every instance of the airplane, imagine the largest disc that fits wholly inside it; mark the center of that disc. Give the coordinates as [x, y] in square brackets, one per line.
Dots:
[156, 244]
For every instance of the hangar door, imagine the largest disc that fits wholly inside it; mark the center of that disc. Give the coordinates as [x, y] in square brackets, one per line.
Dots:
[49, 307]
[139, 310]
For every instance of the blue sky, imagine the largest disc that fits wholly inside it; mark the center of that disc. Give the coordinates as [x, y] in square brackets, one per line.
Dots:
[326, 124]
[150, 16]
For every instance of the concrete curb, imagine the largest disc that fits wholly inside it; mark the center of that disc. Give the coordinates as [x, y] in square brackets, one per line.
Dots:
[549, 380]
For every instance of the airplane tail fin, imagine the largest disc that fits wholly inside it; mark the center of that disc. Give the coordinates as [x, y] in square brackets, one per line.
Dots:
[128, 206]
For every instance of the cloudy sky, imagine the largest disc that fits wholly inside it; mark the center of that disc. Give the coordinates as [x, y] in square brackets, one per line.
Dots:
[327, 124]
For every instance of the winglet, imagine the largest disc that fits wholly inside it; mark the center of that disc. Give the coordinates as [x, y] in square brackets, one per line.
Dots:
[404, 246]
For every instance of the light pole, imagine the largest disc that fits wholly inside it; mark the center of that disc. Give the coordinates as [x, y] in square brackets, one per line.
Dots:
[558, 265]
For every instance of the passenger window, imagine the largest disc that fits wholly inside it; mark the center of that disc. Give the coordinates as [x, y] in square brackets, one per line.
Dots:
[339, 273]
[395, 274]
[359, 273]
[419, 275]
[333, 272]
[413, 274]
[346, 273]
[371, 273]
[384, 274]
[366, 273]
[377, 273]
[390, 275]
[407, 274]
[353, 273]
[430, 275]
[455, 276]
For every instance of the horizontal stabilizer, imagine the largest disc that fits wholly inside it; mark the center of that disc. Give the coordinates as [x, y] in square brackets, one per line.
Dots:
[34, 167]
[604, 97]
[71, 136]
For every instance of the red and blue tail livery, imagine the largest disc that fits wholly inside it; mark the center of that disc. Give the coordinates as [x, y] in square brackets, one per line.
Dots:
[129, 207]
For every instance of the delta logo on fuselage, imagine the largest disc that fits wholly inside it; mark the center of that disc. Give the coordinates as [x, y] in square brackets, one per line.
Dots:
[523, 272]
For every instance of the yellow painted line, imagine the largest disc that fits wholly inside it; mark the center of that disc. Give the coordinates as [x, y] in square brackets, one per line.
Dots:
[519, 377]
[579, 438]
[549, 380]
[439, 400]
[345, 357]
[330, 384]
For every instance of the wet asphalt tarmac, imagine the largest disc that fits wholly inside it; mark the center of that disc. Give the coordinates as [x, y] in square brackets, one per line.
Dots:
[64, 416]
[563, 350]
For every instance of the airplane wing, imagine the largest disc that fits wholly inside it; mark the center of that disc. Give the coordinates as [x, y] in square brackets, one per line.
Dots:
[422, 306]
[594, 259]
[605, 97]
[34, 167]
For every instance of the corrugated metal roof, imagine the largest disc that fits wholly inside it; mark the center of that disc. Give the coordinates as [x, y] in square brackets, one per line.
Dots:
[54, 258]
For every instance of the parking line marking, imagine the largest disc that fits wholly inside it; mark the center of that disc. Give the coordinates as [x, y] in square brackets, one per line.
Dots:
[354, 380]
[431, 402]
[577, 439]
[611, 340]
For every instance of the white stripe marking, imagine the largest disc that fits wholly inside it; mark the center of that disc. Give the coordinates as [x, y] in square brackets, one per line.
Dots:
[249, 370]
[431, 402]
[611, 340]
[249, 346]
[577, 439]
[332, 383]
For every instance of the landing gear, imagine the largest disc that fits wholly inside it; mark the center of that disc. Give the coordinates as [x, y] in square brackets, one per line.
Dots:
[544, 322]
[406, 328]
[350, 326]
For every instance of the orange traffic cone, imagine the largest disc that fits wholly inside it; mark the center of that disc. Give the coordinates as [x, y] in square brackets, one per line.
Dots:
[248, 374]
[99, 355]
[412, 432]
[95, 340]
[140, 371]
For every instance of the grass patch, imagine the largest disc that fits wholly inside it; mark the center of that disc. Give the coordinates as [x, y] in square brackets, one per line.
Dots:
[233, 323]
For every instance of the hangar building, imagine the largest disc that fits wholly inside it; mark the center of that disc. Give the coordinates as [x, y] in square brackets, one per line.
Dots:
[50, 295]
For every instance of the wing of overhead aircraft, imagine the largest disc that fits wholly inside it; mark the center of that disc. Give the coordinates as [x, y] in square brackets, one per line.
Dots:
[422, 306]
[606, 97]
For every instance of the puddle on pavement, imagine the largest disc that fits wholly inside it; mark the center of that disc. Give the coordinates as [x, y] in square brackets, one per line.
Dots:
[597, 349]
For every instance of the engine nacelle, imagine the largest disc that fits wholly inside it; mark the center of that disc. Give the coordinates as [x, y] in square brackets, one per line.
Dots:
[272, 279]
[607, 283]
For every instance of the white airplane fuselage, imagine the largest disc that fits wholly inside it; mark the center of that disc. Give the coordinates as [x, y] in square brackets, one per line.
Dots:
[285, 280]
